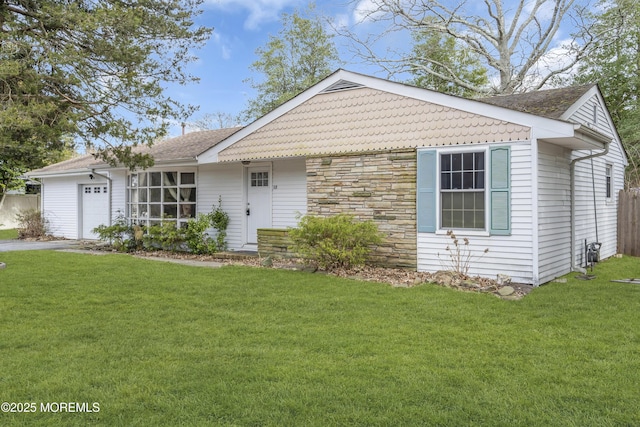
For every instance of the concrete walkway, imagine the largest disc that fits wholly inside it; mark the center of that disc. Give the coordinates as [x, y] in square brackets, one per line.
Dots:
[21, 245]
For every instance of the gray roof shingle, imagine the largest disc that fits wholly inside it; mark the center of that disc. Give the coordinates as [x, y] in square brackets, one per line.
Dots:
[551, 103]
[185, 147]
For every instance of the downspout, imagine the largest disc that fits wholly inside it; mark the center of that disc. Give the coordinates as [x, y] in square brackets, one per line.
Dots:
[574, 267]
[110, 185]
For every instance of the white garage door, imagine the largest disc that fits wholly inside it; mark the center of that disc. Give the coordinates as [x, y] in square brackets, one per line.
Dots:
[95, 208]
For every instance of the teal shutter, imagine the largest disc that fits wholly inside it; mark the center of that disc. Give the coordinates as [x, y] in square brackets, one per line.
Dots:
[426, 191]
[500, 191]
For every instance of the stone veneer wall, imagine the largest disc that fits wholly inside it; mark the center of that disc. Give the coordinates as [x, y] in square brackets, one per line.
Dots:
[378, 186]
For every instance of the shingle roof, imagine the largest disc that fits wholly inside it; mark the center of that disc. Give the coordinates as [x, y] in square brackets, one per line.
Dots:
[551, 103]
[185, 147]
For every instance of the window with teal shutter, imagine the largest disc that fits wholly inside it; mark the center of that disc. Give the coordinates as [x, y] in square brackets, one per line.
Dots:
[426, 191]
[500, 191]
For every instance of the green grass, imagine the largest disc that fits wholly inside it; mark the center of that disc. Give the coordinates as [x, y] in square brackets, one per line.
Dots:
[8, 234]
[164, 344]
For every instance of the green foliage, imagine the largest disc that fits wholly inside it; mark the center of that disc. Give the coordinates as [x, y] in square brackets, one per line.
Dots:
[76, 67]
[614, 63]
[301, 55]
[168, 236]
[440, 63]
[123, 236]
[335, 241]
[32, 224]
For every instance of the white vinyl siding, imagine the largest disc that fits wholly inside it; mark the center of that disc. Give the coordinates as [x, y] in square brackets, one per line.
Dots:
[510, 254]
[224, 182]
[118, 194]
[288, 197]
[606, 209]
[289, 191]
[554, 211]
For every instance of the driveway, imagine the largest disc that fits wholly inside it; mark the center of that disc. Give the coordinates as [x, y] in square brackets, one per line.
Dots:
[21, 245]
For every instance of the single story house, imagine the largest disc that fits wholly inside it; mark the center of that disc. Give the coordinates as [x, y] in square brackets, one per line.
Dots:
[529, 177]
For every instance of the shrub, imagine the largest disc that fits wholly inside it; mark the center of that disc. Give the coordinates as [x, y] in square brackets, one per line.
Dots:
[334, 242]
[166, 235]
[121, 235]
[31, 224]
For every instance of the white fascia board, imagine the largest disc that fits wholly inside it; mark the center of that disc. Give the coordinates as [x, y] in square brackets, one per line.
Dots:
[59, 174]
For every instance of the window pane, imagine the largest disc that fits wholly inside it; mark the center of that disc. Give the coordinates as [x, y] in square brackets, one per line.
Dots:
[155, 211]
[456, 162]
[457, 200]
[467, 180]
[456, 180]
[133, 211]
[170, 211]
[445, 181]
[479, 200]
[187, 211]
[187, 178]
[142, 178]
[133, 196]
[144, 195]
[468, 161]
[170, 194]
[156, 179]
[456, 219]
[143, 211]
[187, 194]
[479, 221]
[154, 195]
[479, 180]
[479, 160]
[133, 181]
[445, 160]
[170, 179]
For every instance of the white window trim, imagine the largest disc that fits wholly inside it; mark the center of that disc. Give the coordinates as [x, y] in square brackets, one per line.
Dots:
[465, 231]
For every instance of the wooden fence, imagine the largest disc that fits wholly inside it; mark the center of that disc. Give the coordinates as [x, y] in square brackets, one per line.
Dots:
[629, 222]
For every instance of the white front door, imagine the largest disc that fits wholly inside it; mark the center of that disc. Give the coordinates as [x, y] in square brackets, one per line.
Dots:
[258, 201]
[95, 208]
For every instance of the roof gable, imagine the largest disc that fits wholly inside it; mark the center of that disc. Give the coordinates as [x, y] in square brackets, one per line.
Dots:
[346, 81]
[366, 119]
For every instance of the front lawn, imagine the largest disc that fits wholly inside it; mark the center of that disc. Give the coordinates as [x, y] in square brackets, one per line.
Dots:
[164, 344]
[8, 234]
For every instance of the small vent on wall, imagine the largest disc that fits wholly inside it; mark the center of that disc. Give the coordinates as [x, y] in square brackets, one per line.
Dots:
[342, 85]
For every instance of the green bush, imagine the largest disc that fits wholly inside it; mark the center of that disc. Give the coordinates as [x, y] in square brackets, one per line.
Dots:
[334, 242]
[121, 235]
[166, 235]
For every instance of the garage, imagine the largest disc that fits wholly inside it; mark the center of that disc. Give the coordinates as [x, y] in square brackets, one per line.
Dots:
[95, 208]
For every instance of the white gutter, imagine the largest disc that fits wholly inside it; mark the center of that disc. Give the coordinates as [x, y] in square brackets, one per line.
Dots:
[574, 267]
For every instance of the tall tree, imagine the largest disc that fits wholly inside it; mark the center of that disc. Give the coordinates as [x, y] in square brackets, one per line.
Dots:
[302, 54]
[436, 57]
[217, 120]
[614, 63]
[514, 39]
[94, 70]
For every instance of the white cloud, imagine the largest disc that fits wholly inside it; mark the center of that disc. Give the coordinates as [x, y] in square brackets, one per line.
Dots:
[365, 10]
[260, 11]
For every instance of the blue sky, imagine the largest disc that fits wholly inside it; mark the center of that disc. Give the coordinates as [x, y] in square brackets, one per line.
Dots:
[242, 26]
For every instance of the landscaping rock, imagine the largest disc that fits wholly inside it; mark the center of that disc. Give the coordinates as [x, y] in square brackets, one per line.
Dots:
[267, 262]
[503, 279]
[2, 265]
[506, 291]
